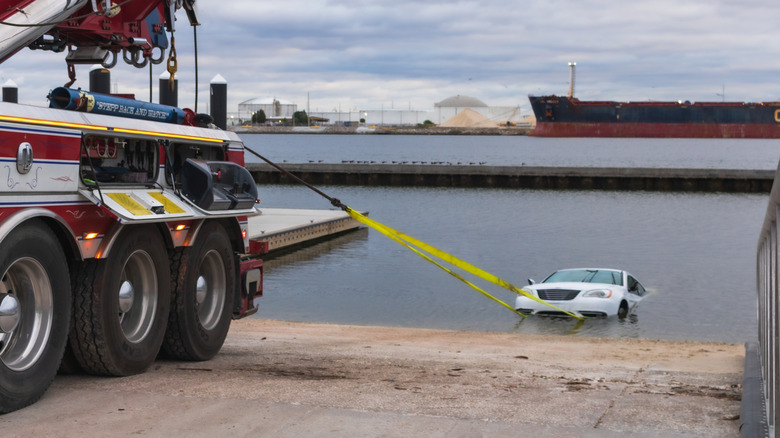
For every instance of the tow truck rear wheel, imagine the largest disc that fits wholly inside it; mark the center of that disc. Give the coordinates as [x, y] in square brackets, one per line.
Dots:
[34, 313]
[121, 305]
[202, 288]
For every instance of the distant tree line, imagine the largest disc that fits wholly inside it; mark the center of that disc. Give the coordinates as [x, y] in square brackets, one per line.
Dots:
[259, 117]
[299, 118]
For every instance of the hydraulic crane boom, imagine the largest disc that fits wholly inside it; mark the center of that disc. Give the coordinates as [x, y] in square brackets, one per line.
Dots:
[92, 31]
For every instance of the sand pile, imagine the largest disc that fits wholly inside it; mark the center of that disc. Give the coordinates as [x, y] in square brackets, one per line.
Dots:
[469, 118]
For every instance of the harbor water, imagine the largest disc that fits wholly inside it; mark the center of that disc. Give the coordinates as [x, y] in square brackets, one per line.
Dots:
[695, 252]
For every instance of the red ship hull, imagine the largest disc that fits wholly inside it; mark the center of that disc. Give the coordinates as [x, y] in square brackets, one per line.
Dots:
[655, 130]
[560, 116]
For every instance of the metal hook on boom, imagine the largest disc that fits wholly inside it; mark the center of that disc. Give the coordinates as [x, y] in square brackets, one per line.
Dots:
[172, 62]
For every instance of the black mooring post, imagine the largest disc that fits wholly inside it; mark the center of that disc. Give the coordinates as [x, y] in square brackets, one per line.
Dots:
[219, 101]
[167, 96]
[10, 92]
[100, 80]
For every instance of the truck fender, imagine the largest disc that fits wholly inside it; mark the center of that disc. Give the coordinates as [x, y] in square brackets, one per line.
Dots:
[116, 229]
[61, 228]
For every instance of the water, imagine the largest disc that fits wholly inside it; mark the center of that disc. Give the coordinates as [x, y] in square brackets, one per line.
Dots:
[695, 252]
[705, 153]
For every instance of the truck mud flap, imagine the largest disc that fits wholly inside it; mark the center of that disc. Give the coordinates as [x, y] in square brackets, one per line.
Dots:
[251, 287]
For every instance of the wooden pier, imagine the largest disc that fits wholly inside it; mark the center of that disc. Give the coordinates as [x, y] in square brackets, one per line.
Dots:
[526, 177]
[284, 228]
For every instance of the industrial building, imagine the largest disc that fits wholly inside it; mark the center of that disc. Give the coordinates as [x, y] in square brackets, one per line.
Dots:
[274, 109]
[377, 117]
[442, 112]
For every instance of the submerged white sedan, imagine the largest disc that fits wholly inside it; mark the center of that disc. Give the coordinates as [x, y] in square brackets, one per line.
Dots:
[584, 292]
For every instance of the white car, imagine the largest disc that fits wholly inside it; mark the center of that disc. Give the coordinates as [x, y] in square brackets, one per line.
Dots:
[584, 292]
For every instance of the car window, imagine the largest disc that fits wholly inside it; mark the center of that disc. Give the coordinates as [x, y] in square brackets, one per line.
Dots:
[639, 289]
[635, 287]
[586, 276]
[606, 277]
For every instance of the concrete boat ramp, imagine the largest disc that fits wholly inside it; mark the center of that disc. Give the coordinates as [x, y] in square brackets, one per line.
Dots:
[281, 379]
[285, 228]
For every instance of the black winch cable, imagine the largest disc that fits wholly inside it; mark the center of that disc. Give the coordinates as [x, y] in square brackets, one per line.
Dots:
[333, 201]
[424, 250]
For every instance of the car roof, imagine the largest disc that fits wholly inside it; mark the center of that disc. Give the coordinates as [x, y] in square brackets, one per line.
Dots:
[623, 274]
[591, 269]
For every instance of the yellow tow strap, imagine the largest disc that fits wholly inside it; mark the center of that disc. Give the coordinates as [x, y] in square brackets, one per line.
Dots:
[421, 248]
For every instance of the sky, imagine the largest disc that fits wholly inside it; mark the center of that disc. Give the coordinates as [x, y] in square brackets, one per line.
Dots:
[401, 54]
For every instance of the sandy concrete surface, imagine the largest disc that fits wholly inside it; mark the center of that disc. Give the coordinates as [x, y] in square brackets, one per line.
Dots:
[283, 379]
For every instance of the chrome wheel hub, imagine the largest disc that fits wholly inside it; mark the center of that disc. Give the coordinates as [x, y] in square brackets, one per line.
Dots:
[26, 314]
[9, 313]
[137, 293]
[210, 290]
[126, 295]
[201, 289]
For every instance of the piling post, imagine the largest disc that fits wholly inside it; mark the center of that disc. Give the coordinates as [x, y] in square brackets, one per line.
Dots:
[168, 96]
[219, 101]
[10, 92]
[100, 79]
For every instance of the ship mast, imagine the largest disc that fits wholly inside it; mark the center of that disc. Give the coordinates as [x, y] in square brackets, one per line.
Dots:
[571, 79]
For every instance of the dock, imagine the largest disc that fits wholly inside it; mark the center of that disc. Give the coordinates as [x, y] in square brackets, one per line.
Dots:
[522, 177]
[286, 228]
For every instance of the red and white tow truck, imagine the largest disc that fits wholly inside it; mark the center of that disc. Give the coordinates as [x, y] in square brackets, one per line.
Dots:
[119, 236]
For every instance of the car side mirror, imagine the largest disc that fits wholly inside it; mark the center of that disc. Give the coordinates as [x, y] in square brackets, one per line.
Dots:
[531, 281]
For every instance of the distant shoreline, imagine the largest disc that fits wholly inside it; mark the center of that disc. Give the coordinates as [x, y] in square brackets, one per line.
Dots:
[387, 130]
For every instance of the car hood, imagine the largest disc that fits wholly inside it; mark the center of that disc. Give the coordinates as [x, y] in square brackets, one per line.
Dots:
[573, 286]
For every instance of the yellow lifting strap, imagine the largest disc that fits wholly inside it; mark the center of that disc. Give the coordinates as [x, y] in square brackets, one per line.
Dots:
[421, 248]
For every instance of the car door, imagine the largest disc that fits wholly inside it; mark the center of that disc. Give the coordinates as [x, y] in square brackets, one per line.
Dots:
[635, 291]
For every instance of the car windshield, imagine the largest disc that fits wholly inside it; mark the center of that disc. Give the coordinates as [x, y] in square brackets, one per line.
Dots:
[586, 276]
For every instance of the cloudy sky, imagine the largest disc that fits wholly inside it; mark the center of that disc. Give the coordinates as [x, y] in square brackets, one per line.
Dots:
[360, 54]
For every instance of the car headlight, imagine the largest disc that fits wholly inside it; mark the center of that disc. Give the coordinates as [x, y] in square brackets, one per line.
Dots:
[598, 293]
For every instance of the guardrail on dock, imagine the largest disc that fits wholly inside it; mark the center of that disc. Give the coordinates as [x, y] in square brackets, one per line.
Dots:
[525, 177]
[768, 285]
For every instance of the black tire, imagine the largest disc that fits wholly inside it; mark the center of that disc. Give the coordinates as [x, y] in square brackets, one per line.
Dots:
[623, 310]
[203, 284]
[121, 305]
[69, 363]
[33, 270]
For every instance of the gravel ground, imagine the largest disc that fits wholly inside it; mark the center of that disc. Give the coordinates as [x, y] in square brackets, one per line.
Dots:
[275, 378]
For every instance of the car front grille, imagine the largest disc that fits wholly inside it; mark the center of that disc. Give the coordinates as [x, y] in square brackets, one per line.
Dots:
[557, 294]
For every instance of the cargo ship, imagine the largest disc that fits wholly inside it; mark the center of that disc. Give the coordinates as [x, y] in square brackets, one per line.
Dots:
[567, 116]
[563, 116]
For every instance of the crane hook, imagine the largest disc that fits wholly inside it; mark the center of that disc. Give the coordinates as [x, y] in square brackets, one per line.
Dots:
[172, 61]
